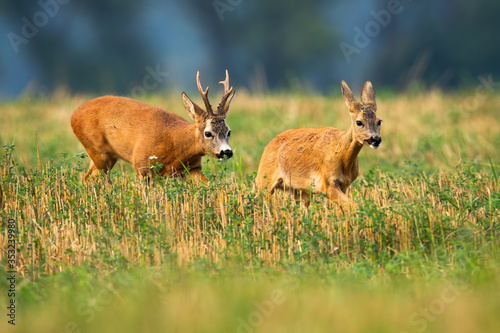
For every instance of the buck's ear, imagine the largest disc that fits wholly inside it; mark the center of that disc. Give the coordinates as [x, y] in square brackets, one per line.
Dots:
[192, 109]
[368, 95]
[347, 94]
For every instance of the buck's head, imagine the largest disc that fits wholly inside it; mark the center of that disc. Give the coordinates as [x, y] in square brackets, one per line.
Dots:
[365, 123]
[212, 129]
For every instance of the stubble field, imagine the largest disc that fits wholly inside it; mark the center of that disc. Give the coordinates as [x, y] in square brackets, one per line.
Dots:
[419, 250]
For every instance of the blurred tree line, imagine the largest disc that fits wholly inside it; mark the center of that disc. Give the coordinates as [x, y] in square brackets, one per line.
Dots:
[109, 46]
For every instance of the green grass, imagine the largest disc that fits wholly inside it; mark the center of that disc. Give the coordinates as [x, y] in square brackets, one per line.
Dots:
[419, 251]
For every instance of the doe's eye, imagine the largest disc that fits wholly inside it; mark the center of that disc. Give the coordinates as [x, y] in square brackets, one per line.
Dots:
[379, 122]
[229, 134]
[359, 123]
[208, 135]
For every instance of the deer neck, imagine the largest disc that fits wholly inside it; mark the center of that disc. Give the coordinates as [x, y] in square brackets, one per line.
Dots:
[347, 149]
[189, 137]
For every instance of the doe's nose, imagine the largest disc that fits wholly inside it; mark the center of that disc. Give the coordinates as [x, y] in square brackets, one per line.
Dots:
[377, 140]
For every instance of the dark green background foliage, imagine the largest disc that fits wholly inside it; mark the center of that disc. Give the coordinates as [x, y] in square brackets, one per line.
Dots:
[106, 46]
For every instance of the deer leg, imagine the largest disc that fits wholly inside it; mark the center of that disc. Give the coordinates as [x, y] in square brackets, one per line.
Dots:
[92, 171]
[141, 166]
[277, 184]
[100, 163]
[334, 193]
[197, 174]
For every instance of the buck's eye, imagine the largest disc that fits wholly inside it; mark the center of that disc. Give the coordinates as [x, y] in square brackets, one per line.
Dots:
[359, 123]
[379, 122]
[229, 134]
[208, 135]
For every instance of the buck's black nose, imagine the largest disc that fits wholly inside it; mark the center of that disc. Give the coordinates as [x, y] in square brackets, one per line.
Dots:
[377, 140]
[228, 153]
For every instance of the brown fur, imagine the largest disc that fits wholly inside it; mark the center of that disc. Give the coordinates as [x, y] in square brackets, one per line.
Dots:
[112, 127]
[322, 159]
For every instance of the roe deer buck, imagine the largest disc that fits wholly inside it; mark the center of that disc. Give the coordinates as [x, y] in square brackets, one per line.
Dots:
[112, 127]
[324, 159]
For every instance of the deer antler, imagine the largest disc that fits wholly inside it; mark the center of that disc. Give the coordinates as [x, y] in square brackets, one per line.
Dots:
[204, 94]
[224, 105]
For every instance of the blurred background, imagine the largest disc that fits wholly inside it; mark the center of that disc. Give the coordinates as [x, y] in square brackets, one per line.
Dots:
[138, 47]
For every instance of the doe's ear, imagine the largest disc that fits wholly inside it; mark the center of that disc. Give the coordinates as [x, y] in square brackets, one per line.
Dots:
[192, 109]
[347, 94]
[368, 95]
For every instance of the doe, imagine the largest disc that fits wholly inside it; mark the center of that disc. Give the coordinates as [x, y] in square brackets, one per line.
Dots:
[111, 128]
[322, 159]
